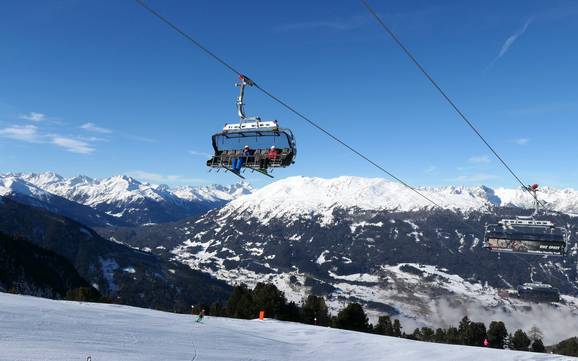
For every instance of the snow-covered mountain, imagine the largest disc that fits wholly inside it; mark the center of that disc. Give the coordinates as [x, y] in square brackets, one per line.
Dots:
[374, 242]
[27, 193]
[296, 197]
[348, 238]
[123, 197]
[408, 263]
[132, 202]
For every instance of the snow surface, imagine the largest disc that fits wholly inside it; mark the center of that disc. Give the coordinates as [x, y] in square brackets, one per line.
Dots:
[41, 329]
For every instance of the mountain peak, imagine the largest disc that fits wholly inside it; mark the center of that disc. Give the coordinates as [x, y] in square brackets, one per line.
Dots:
[11, 185]
[80, 179]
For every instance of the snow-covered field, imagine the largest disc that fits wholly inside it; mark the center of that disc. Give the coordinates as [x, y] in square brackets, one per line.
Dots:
[40, 329]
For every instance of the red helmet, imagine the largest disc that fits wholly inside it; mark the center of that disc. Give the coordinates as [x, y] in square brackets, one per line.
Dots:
[534, 186]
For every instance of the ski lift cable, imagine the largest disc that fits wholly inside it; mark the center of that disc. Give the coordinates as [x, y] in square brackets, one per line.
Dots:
[443, 93]
[187, 36]
[281, 102]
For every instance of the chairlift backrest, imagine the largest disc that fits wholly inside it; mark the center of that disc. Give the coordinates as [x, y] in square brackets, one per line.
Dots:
[525, 222]
[239, 127]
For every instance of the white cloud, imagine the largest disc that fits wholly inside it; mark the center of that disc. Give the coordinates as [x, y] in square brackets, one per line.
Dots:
[138, 138]
[512, 39]
[72, 145]
[162, 178]
[33, 134]
[200, 154]
[476, 177]
[522, 141]
[93, 139]
[33, 116]
[430, 169]
[91, 127]
[477, 159]
[25, 133]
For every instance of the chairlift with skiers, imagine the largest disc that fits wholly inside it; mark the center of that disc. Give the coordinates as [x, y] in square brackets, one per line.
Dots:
[252, 143]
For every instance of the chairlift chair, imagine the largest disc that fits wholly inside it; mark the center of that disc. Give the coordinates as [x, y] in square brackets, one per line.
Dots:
[259, 135]
[538, 292]
[527, 234]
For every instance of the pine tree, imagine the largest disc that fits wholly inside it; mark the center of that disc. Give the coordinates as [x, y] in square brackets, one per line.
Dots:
[463, 329]
[453, 336]
[290, 312]
[216, 309]
[267, 297]
[440, 336]
[240, 303]
[427, 334]
[353, 318]
[416, 335]
[474, 334]
[315, 311]
[384, 326]
[497, 333]
[568, 347]
[397, 328]
[520, 341]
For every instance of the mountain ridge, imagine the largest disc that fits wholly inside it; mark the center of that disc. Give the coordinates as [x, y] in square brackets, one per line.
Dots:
[125, 199]
[296, 197]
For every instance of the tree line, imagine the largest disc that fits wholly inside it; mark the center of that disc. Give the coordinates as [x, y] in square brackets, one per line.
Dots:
[246, 303]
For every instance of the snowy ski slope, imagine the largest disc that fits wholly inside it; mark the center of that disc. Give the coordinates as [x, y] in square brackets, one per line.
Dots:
[40, 329]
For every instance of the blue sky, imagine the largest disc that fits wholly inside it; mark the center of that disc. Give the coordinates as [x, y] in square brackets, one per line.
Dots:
[103, 88]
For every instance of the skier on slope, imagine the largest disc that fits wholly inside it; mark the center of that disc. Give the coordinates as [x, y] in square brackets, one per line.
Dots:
[201, 315]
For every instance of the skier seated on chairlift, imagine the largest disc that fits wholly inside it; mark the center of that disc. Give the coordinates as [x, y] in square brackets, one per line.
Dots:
[238, 162]
[272, 155]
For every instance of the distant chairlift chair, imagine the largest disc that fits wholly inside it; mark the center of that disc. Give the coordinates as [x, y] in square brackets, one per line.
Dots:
[527, 234]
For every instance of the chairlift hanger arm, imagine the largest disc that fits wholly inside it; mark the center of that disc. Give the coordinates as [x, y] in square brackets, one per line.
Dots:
[244, 81]
[533, 190]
